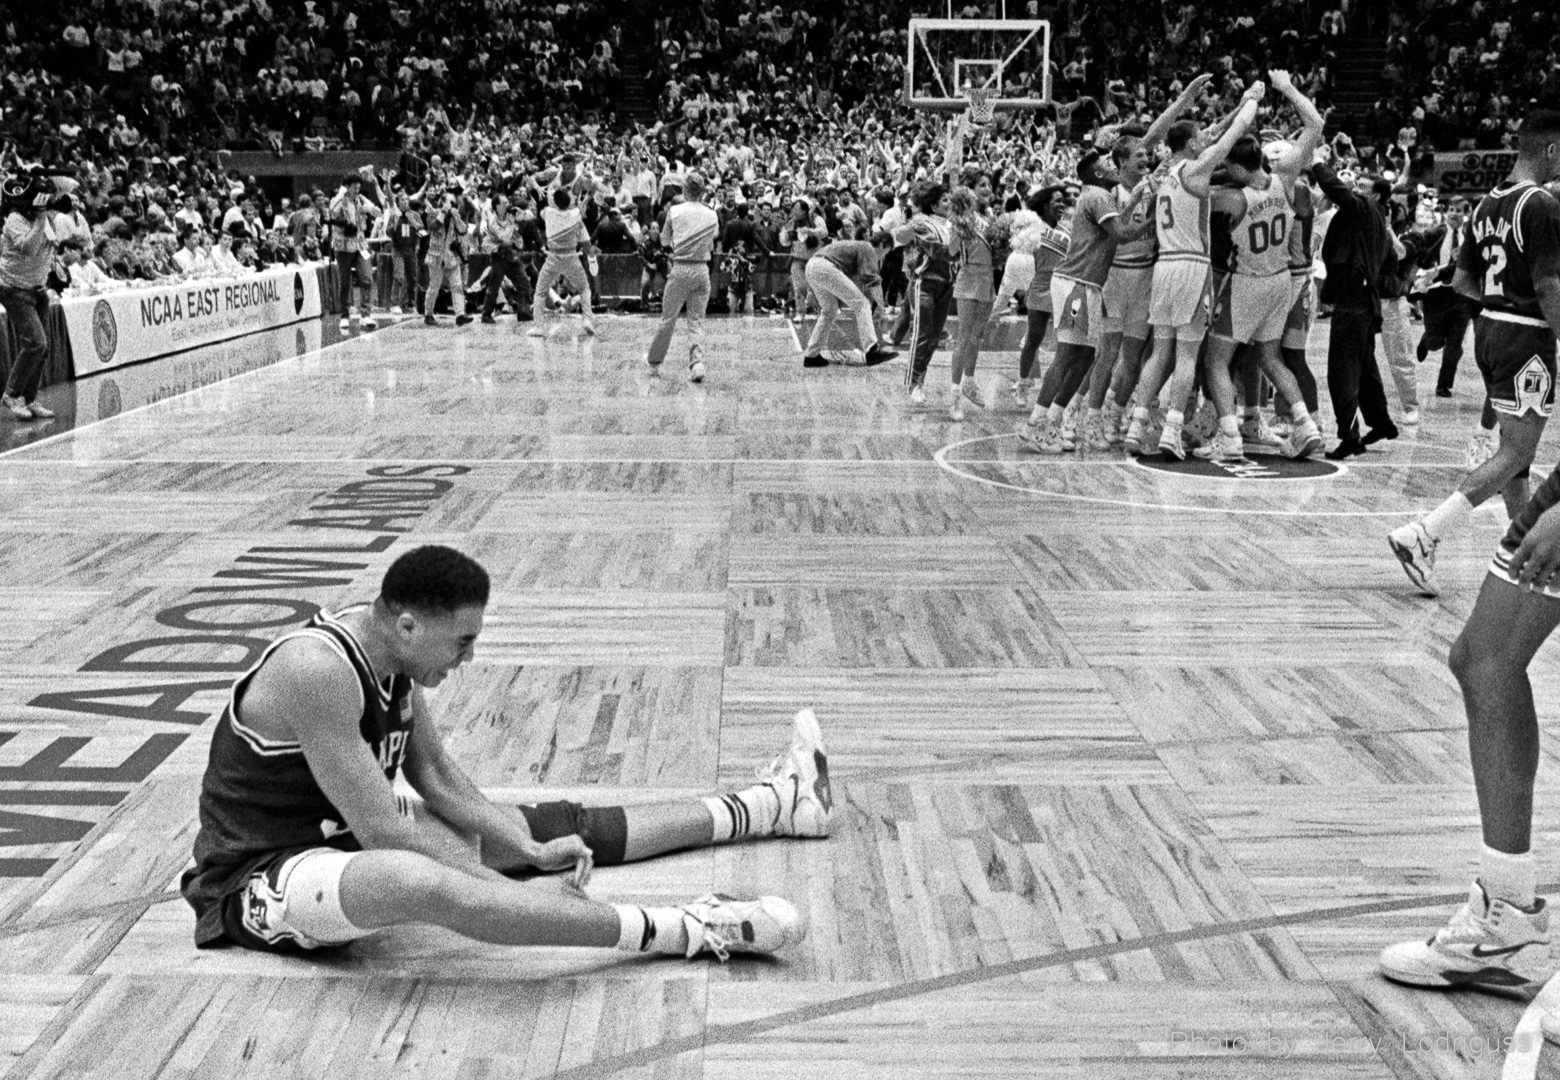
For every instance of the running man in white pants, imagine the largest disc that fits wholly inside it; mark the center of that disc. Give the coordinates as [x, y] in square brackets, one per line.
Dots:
[845, 274]
[689, 235]
[565, 236]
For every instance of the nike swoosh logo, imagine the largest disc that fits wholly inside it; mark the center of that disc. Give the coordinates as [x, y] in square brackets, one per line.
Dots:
[1481, 952]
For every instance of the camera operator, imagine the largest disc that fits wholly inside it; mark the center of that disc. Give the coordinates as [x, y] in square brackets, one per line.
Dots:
[402, 225]
[27, 243]
[351, 216]
[444, 226]
[501, 240]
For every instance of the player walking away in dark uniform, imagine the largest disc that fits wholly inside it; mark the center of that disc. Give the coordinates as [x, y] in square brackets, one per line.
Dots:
[305, 844]
[1511, 261]
[1508, 263]
[929, 265]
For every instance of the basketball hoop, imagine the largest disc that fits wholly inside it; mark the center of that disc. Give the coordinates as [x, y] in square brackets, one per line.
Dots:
[983, 106]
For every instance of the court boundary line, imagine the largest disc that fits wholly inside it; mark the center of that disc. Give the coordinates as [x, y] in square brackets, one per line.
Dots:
[745, 1030]
[951, 467]
[5, 455]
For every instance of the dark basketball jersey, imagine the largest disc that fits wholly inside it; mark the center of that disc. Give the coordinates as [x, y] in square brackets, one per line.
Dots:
[1300, 235]
[259, 796]
[1511, 241]
[1221, 241]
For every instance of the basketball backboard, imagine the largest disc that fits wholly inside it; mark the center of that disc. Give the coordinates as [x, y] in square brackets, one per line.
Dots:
[947, 56]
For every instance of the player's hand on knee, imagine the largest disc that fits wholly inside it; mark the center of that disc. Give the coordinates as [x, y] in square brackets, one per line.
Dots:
[562, 854]
[1536, 561]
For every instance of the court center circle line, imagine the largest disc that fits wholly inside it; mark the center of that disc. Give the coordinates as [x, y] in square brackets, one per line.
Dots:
[941, 457]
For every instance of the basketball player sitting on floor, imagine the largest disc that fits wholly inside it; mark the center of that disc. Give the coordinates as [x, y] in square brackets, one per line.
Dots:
[304, 843]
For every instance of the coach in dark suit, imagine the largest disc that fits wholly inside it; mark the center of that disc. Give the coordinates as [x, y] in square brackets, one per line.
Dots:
[1357, 252]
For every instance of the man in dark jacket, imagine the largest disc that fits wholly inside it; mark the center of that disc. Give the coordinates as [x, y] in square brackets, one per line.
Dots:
[1357, 251]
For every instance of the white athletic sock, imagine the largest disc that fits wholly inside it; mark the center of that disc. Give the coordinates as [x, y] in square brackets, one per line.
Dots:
[1230, 426]
[1140, 412]
[1451, 514]
[1091, 416]
[1055, 413]
[654, 929]
[750, 812]
[1299, 413]
[1174, 418]
[1508, 877]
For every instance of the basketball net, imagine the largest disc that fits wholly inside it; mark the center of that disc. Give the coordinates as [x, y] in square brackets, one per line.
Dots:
[983, 106]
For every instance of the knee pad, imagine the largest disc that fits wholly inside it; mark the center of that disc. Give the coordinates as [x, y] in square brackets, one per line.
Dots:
[603, 828]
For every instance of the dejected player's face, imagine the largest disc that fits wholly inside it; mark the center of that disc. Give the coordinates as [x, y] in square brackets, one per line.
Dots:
[436, 643]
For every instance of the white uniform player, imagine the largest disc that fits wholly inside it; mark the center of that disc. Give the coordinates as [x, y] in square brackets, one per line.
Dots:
[1180, 308]
[1258, 293]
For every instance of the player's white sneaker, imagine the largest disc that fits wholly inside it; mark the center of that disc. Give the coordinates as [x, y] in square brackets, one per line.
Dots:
[1305, 438]
[1487, 945]
[1255, 430]
[1170, 441]
[733, 924]
[917, 395]
[395, 309]
[1021, 391]
[956, 407]
[972, 393]
[1415, 549]
[1132, 442]
[1222, 447]
[695, 366]
[1038, 415]
[801, 780]
[1094, 437]
[1481, 447]
[1043, 438]
[1110, 422]
[1070, 424]
[369, 322]
[589, 326]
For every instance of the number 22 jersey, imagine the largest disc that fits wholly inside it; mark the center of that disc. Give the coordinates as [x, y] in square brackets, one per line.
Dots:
[1511, 241]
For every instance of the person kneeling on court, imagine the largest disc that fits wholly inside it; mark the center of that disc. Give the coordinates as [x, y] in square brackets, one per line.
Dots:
[304, 844]
[845, 274]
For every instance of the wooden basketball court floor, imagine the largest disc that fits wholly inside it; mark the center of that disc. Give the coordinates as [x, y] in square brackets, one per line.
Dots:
[1135, 773]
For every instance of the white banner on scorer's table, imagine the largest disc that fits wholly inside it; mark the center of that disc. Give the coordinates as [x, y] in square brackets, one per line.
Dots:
[121, 328]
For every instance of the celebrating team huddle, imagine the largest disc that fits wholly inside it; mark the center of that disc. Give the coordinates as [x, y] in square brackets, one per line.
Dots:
[1218, 275]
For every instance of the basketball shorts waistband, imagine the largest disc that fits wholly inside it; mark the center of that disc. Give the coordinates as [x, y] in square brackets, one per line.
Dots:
[1512, 317]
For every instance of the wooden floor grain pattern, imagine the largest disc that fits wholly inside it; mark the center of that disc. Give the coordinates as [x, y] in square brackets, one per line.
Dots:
[1072, 705]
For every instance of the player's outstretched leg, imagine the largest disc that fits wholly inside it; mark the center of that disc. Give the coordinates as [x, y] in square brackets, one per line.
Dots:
[379, 889]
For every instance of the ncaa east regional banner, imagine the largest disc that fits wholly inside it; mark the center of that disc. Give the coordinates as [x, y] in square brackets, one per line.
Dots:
[139, 324]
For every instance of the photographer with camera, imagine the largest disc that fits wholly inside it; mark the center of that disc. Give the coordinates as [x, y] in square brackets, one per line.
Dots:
[501, 240]
[802, 234]
[444, 227]
[351, 216]
[27, 243]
